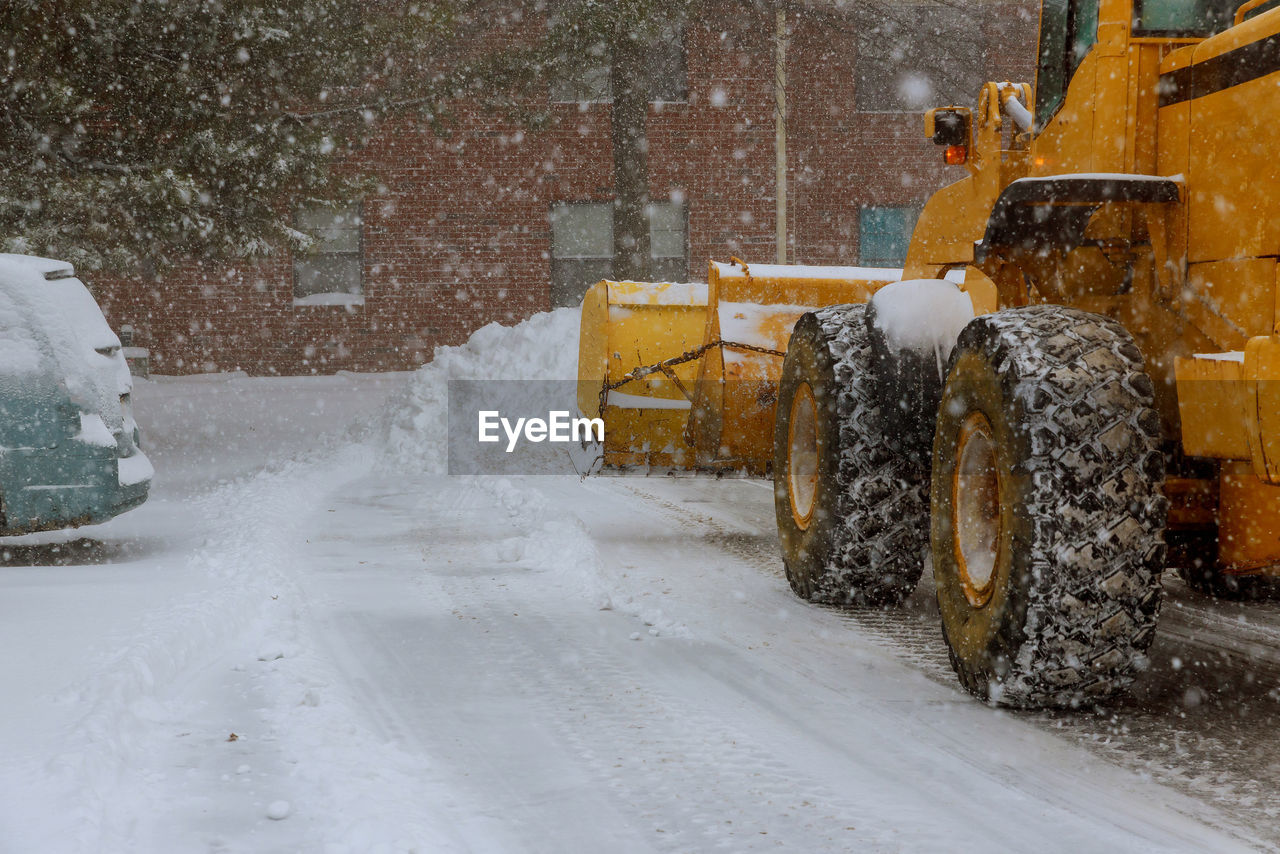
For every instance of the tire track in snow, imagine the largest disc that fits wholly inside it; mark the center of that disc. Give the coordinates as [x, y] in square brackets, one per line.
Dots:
[1197, 723]
[681, 776]
[130, 707]
[821, 666]
[434, 679]
[911, 632]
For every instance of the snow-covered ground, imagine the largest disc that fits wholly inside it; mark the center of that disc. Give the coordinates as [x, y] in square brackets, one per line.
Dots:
[311, 639]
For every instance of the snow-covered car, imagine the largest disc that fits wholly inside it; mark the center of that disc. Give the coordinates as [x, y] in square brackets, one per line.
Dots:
[69, 446]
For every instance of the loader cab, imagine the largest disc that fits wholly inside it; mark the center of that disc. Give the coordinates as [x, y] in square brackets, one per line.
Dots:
[1069, 31]
[1188, 19]
[1068, 28]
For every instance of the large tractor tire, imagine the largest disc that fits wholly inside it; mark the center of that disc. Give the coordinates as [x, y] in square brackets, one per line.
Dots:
[851, 503]
[1048, 511]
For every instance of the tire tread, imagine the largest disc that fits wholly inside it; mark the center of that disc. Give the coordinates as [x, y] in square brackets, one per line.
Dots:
[1080, 390]
[881, 536]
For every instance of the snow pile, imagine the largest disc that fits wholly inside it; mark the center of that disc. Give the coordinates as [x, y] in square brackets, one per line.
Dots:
[923, 316]
[542, 348]
[529, 531]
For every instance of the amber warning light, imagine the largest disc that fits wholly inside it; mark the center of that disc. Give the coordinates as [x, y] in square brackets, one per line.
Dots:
[956, 155]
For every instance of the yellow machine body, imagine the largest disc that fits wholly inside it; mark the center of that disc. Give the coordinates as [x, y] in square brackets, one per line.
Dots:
[1172, 131]
[1192, 275]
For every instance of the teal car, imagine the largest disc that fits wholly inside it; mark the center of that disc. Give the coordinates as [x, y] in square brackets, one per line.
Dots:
[70, 450]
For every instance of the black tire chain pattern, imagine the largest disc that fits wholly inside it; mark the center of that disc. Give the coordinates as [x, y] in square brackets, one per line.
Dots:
[878, 554]
[1096, 498]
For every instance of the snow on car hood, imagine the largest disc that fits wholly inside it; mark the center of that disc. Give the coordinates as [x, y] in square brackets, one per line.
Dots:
[50, 324]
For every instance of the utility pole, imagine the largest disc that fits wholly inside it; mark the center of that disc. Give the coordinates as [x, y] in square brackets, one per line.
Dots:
[780, 132]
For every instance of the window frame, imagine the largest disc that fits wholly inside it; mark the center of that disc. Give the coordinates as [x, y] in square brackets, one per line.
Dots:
[1064, 52]
[672, 31]
[912, 212]
[556, 259]
[336, 298]
[557, 284]
[577, 81]
[1191, 33]
[683, 221]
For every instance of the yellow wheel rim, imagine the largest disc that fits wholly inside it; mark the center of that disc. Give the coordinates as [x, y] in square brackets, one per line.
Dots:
[975, 495]
[802, 456]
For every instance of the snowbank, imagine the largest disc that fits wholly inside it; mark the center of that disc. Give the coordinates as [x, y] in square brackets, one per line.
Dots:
[542, 348]
[531, 531]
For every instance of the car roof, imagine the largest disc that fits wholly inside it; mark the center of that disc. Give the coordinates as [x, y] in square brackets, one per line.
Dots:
[48, 268]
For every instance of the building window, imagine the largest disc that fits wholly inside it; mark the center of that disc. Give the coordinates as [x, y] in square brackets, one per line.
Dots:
[668, 71]
[582, 246]
[669, 242]
[585, 81]
[884, 233]
[587, 78]
[931, 57]
[581, 249]
[331, 272]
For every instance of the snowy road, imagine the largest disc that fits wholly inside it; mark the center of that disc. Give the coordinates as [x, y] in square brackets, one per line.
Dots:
[388, 660]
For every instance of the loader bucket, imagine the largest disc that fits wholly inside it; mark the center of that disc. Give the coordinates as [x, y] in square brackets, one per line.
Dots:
[751, 312]
[628, 325]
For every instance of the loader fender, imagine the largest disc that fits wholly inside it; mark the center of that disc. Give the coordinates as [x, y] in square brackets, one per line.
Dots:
[1035, 214]
[913, 327]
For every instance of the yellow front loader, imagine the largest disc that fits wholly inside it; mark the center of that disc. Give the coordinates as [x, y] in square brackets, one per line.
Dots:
[1099, 397]
[1073, 385]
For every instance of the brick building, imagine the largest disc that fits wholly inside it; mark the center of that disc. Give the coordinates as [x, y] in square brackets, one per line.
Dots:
[496, 222]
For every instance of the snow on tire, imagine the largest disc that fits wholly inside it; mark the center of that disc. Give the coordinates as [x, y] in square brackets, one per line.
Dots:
[851, 501]
[1048, 510]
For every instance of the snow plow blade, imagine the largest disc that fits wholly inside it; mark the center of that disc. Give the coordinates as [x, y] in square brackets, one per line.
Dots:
[625, 327]
[686, 375]
[752, 310]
